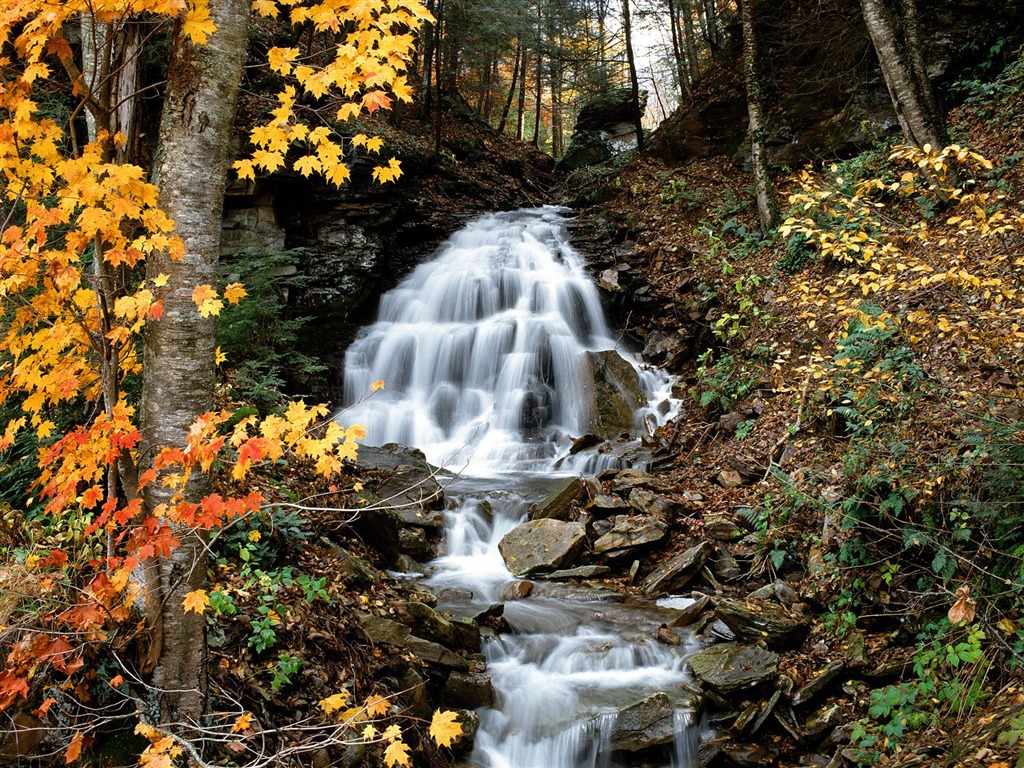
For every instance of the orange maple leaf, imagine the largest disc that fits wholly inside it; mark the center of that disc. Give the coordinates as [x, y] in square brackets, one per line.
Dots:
[197, 601]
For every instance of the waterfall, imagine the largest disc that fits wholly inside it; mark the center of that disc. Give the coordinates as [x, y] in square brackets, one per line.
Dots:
[482, 351]
[484, 357]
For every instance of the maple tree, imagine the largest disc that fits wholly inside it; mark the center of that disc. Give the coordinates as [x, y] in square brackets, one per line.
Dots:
[77, 314]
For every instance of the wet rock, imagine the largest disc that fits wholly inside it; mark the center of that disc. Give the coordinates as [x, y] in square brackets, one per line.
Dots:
[468, 690]
[581, 572]
[558, 503]
[408, 490]
[667, 636]
[763, 620]
[465, 634]
[455, 595]
[690, 613]
[517, 590]
[470, 722]
[629, 534]
[615, 395]
[414, 692]
[663, 348]
[728, 422]
[785, 593]
[645, 723]
[662, 507]
[720, 631]
[381, 528]
[407, 564]
[675, 573]
[585, 443]
[767, 592]
[433, 653]
[628, 479]
[21, 733]
[855, 650]
[353, 571]
[541, 545]
[766, 712]
[815, 686]
[731, 667]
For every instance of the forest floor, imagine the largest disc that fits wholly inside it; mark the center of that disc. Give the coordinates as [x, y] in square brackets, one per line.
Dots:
[864, 425]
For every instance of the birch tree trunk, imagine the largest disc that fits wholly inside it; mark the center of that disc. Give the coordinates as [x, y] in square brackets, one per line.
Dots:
[634, 82]
[191, 171]
[897, 44]
[767, 208]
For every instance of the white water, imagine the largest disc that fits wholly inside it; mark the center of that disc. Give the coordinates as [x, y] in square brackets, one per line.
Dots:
[483, 356]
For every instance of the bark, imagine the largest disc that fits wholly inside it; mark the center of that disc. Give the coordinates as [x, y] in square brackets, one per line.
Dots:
[438, 111]
[903, 69]
[677, 51]
[690, 38]
[521, 106]
[191, 171]
[634, 83]
[557, 128]
[516, 65]
[711, 22]
[767, 208]
[538, 101]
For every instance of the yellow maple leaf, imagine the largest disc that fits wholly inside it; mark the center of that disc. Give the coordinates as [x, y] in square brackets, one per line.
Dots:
[198, 23]
[445, 727]
[385, 173]
[197, 601]
[335, 702]
[160, 280]
[377, 385]
[243, 723]
[234, 292]
[369, 733]
[374, 144]
[219, 357]
[267, 8]
[376, 706]
[206, 300]
[75, 749]
[397, 753]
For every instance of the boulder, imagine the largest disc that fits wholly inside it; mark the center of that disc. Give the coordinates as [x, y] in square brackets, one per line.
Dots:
[414, 542]
[689, 614]
[731, 667]
[580, 572]
[764, 620]
[721, 527]
[629, 534]
[379, 630]
[604, 503]
[541, 545]
[435, 654]
[381, 528]
[676, 572]
[517, 590]
[425, 622]
[557, 504]
[818, 683]
[468, 690]
[615, 395]
[649, 503]
[649, 722]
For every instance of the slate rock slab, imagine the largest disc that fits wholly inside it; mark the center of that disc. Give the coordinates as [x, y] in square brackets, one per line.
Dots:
[731, 667]
[542, 545]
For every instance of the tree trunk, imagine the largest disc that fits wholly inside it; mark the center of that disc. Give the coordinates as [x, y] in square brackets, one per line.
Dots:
[767, 208]
[633, 80]
[438, 111]
[538, 101]
[677, 50]
[904, 71]
[711, 23]
[516, 65]
[521, 106]
[690, 38]
[191, 171]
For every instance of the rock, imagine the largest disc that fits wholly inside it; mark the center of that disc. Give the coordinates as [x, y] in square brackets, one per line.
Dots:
[604, 503]
[662, 507]
[643, 724]
[541, 545]
[824, 719]
[664, 349]
[724, 565]
[676, 572]
[407, 564]
[21, 734]
[580, 572]
[413, 542]
[750, 755]
[411, 490]
[731, 667]
[585, 148]
[721, 527]
[383, 631]
[353, 571]
[767, 592]
[765, 713]
[629, 534]
[433, 653]
[728, 422]
[763, 620]
[720, 631]
[381, 528]
[414, 692]
[855, 650]
[729, 478]
[615, 396]
[467, 690]
[628, 479]
[466, 634]
[425, 622]
[558, 503]
[815, 686]
[584, 443]
[517, 590]
[455, 595]
[785, 593]
[690, 613]
[667, 636]
[470, 722]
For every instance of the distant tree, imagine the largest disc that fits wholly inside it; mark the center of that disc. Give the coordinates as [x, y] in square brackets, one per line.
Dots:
[767, 208]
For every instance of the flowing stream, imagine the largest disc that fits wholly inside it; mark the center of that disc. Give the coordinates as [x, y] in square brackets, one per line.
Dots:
[484, 355]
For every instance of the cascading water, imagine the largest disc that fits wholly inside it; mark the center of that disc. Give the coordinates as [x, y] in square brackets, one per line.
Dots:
[484, 355]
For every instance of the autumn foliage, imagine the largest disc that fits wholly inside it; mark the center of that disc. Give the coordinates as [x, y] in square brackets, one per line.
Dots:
[77, 228]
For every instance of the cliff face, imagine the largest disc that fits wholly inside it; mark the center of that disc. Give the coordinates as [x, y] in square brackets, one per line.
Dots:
[825, 94]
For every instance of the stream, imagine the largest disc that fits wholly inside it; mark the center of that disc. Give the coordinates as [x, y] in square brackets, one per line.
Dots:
[484, 355]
